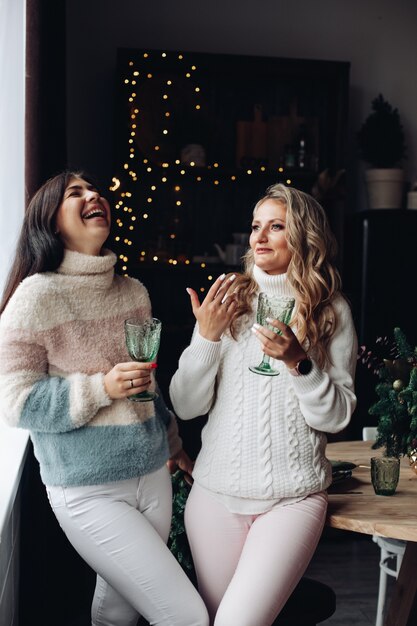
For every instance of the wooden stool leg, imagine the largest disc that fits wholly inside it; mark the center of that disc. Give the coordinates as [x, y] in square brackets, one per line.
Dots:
[382, 590]
[403, 606]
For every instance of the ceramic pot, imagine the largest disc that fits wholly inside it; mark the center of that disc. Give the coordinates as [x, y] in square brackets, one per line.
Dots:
[385, 188]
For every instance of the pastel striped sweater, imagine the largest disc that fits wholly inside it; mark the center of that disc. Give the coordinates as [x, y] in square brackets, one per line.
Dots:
[60, 334]
[265, 438]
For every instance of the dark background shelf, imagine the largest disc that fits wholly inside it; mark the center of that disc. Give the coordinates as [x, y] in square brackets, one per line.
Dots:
[252, 109]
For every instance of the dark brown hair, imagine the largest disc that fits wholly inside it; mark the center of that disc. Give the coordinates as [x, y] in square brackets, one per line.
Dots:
[39, 248]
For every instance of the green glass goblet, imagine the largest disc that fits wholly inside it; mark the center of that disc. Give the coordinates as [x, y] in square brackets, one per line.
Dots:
[277, 308]
[142, 342]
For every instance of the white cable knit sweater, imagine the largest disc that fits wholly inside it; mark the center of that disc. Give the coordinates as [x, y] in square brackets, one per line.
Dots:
[265, 436]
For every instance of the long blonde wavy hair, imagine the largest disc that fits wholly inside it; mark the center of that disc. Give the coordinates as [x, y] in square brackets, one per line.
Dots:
[311, 273]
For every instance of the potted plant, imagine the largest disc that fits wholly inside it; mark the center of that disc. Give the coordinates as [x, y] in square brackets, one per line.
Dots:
[382, 145]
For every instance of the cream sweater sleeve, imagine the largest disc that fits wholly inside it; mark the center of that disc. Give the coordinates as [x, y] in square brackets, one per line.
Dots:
[327, 398]
[192, 387]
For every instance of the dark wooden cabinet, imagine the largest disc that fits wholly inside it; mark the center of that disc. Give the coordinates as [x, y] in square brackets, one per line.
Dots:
[380, 263]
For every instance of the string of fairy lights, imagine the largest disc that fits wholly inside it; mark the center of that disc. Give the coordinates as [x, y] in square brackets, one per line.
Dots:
[150, 177]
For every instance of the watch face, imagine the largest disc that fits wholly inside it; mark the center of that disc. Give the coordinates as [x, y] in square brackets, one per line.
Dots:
[304, 366]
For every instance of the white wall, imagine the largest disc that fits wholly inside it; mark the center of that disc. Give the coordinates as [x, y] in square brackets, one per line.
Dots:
[12, 118]
[13, 443]
[378, 38]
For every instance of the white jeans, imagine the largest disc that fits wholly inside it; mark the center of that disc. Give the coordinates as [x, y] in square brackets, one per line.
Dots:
[120, 529]
[248, 565]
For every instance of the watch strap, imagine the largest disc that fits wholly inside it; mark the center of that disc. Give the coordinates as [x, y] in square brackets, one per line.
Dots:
[302, 368]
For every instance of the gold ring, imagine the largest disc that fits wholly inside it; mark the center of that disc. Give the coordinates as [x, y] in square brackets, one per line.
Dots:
[131, 384]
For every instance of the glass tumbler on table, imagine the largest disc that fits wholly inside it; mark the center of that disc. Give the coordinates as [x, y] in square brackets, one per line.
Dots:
[385, 473]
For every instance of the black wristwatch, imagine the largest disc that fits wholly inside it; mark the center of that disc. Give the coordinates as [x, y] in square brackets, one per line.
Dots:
[302, 368]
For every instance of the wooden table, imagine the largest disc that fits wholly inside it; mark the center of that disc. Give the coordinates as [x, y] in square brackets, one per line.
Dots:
[354, 506]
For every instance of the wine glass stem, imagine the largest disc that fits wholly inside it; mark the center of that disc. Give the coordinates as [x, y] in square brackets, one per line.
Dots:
[265, 359]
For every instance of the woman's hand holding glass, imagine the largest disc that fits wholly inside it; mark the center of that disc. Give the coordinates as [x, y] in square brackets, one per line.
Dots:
[127, 379]
[214, 314]
[283, 347]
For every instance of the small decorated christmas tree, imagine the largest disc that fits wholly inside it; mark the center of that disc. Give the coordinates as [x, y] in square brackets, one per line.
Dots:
[396, 407]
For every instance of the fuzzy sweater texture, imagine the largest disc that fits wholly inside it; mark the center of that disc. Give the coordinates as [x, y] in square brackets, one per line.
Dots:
[60, 333]
[265, 437]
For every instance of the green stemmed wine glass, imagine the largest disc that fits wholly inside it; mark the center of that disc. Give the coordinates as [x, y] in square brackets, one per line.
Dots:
[142, 342]
[277, 308]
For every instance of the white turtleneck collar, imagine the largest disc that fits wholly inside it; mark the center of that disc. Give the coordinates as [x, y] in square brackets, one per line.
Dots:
[99, 268]
[273, 284]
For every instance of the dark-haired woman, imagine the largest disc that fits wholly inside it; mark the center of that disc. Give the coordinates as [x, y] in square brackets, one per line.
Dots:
[258, 502]
[65, 376]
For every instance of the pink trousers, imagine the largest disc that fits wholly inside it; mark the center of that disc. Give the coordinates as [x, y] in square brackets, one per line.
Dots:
[248, 565]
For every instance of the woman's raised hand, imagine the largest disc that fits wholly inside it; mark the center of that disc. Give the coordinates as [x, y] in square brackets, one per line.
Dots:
[126, 379]
[214, 314]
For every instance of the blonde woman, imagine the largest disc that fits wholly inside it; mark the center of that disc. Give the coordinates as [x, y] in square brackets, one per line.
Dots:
[258, 503]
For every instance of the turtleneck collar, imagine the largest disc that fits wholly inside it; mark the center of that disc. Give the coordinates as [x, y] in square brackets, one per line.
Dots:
[99, 268]
[273, 284]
